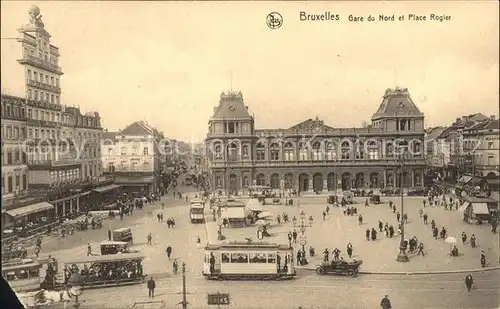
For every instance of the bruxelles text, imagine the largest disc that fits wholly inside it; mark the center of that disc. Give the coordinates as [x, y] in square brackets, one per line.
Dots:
[317, 144]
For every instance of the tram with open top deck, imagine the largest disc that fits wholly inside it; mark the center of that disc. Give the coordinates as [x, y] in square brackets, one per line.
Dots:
[108, 270]
[248, 261]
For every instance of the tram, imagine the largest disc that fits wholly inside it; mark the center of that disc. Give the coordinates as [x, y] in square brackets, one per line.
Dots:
[248, 261]
[108, 270]
[23, 275]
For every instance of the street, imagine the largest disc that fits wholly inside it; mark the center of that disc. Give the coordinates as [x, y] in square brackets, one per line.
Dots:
[312, 291]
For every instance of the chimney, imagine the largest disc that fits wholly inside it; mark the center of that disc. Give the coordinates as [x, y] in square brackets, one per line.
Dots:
[492, 117]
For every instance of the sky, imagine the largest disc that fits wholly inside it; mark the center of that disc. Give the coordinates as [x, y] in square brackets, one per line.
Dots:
[167, 62]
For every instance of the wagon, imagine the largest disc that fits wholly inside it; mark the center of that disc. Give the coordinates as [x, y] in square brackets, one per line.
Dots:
[350, 269]
[375, 199]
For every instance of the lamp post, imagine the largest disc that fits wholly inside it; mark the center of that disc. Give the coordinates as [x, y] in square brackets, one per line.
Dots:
[303, 226]
[75, 287]
[402, 257]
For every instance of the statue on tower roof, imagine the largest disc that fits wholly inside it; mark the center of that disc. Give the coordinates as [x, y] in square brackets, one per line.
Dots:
[35, 17]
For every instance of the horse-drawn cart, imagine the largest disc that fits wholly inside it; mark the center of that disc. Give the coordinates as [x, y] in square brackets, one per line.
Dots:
[349, 269]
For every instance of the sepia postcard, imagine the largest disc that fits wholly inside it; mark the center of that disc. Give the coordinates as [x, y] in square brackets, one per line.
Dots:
[250, 154]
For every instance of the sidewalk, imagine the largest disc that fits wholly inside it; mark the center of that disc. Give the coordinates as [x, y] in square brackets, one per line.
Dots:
[378, 256]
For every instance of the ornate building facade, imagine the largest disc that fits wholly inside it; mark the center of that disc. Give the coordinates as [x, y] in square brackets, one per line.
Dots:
[52, 151]
[312, 156]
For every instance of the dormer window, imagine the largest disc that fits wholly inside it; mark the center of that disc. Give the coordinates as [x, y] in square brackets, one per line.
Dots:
[230, 127]
[401, 104]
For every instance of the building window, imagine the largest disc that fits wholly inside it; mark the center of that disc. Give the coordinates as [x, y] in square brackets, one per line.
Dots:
[345, 150]
[123, 151]
[275, 152]
[491, 159]
[331, 151]
[317, 154]
[134, 150]
[372, 151]
[303, 152]
[289, 152]
[9, 157]
[232, 152]
[360, 151]
[111, 167]
[9, 184]
[230, 128]
[146, 151]
[490, 145]
[260, 152]
[25, 182]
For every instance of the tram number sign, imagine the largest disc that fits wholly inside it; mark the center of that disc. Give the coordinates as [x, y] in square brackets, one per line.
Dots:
[218, 299]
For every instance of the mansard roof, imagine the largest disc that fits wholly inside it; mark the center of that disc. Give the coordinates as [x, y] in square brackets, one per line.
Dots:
[231, 106]
[310, 124]
[397, 103]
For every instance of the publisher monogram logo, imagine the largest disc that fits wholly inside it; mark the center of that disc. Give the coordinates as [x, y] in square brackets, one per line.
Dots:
[274, 20]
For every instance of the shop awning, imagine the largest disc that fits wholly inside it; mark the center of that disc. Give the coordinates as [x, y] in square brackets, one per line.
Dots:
[30, 209]
[106, 188]
[145, 180]
[233, 213]
[480, 208]
[463, 207]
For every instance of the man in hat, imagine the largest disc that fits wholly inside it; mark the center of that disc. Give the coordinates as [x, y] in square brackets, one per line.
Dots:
[469, 282]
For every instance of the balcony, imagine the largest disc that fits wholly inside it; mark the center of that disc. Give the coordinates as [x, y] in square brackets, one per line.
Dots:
[43, 164]
[44, 86]
[43, 123]
[43, 104]
[40, 63]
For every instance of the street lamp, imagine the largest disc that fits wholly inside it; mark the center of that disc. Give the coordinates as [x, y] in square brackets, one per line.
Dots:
[402, 257]
[303, 226]
[75, 287]
[220, 222]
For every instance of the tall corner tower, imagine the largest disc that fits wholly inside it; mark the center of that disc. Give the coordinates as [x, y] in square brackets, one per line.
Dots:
[40, 60]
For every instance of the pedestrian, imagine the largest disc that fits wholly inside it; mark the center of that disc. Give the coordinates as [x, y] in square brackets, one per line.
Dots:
[443, 233]
[151, 287]
[483, 259]
[405, 217]
[336, 253]
[433, 224]
[349, 249]
[425, 218]
[464, 238]
[394, 209]
[391, 231]
[211, 261]
[473, 241]
[278, 219]
[360, 219]
[299, 256]
[109, 235]
[421, 249]
[37, 251]
[398, 216]
[380, 225]
[294, 235]
[366, 203]
[469, 282]
[150, 239]
[420, 212]
[435, 232]
[89, 250]
[162, 205]
[385, 303]
[390, 205]
[367, 234]
[290, 238]
[161, 216]
[423, 202]
[374, 234]
[324, 215]
[198, 242]
[327, 210]
[169, 252]
[158, 217]
[326, 255]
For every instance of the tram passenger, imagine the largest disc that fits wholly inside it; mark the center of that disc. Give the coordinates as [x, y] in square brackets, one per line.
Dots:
[212, 263]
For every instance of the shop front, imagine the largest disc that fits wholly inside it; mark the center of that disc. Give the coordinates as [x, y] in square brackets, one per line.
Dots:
[143, 185]
[105, 196]
[30, 217]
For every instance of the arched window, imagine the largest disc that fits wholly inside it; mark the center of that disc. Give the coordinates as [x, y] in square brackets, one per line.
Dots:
[260, 152]
[289, 152]
[232, 152]
[360, 150]
[372, 150]
[274, 152]
[390, 149]
[303, 152]
[317, 154]
[345, 149]
[331, 151]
